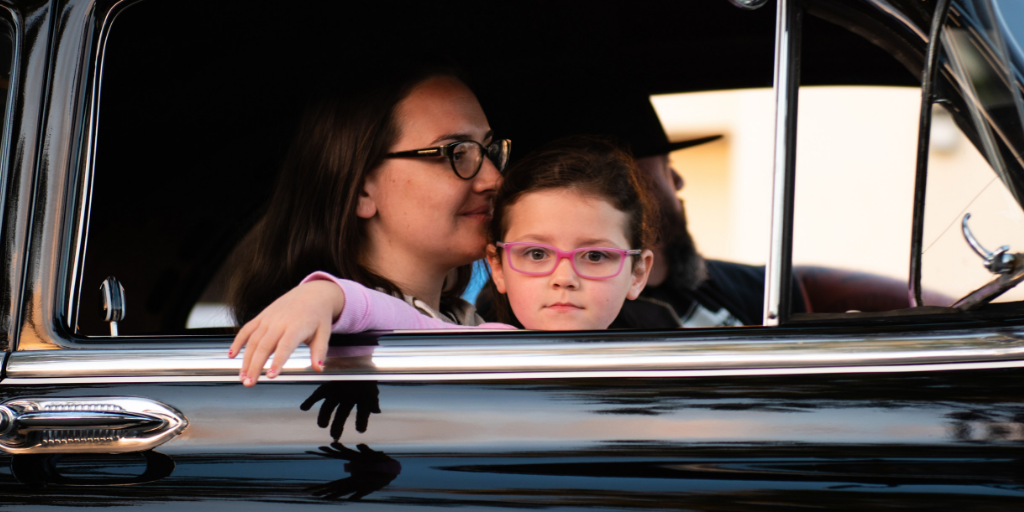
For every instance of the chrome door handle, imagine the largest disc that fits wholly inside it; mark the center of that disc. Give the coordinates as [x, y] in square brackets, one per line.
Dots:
[86, 425]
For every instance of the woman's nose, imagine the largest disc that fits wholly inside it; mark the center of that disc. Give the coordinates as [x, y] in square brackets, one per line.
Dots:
[488, 178]
[564, 275]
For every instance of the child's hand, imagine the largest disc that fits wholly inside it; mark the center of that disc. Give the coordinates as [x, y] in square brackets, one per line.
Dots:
[303, 315]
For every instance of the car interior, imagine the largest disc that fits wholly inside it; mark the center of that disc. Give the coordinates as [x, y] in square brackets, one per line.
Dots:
[196, 114]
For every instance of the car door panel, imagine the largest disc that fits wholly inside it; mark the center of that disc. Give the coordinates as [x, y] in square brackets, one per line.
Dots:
[833, 441]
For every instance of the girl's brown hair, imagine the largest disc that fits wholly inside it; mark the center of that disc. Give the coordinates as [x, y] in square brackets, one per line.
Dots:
[311, 222]
[589, 165]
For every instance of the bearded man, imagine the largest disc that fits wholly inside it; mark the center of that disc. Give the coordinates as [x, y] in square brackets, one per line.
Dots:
[698, 292]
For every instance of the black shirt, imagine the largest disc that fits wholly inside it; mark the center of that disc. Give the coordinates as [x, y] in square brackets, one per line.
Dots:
[732, 294]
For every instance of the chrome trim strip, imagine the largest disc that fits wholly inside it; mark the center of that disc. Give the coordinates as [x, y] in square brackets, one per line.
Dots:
[787, 87]
[738, 372]
[924, 128]
[13, 89]
[983, 121]
[887, 8]
[540, 360]
[12, 221]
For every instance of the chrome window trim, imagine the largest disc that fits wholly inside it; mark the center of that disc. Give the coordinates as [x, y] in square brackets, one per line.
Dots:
[707, 357]
[886, 7]
[777, 280]
[84, 206]
[12, 92]
[928, 77]
[16, 274]
[456, 377]
[982, 119]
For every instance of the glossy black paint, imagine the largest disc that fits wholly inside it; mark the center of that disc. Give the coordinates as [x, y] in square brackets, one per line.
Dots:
[937, 441]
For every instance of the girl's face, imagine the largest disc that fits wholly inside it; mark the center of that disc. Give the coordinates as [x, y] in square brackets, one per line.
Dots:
[417, 207]
[563, 300]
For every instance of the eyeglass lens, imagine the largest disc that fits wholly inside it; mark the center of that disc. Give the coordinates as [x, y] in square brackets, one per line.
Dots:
[468, 157]
[588, 262]
[498, 153]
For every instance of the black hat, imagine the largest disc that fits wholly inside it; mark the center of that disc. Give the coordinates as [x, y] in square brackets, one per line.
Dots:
[673, 146]
[587, 102]
[630, 117]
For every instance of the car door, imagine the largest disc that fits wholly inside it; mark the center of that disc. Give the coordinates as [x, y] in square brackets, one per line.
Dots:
[845, 413]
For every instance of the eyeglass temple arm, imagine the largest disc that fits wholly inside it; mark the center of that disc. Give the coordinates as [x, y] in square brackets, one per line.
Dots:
[441, 151]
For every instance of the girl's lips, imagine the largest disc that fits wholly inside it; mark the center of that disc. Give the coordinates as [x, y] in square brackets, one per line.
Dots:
[563, 306]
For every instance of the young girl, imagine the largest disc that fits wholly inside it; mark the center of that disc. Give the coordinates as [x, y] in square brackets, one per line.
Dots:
[569, 242]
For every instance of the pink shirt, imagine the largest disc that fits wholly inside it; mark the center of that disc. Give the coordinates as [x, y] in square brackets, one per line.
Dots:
[370, 310]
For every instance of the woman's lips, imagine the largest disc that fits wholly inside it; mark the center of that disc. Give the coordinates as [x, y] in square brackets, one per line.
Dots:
[481, 213]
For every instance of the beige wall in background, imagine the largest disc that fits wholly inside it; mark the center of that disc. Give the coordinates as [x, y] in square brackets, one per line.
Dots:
[855, 166]
[706, 195]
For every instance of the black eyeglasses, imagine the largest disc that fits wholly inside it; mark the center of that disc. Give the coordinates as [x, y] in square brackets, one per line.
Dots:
[466, 156]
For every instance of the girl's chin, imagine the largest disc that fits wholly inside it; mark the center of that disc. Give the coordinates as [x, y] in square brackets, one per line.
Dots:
[549, 325]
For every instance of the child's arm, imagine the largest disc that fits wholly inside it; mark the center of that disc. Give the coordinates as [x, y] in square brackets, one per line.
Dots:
[305, 315]
[370, 310]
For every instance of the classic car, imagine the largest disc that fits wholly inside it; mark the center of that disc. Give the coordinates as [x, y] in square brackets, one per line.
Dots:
[139, 141]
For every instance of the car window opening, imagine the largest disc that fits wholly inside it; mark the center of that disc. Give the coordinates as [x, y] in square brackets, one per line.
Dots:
[853, 186]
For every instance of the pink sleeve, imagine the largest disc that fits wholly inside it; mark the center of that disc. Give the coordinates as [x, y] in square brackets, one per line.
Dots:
[370, 310]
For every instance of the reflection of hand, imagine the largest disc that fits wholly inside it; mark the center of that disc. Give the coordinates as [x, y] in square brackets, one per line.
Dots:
[343, 396]
[369, 471]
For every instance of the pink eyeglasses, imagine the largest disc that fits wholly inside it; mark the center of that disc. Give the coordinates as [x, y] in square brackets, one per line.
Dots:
[588, 262]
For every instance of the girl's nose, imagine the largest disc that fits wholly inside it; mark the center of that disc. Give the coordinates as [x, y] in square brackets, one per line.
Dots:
[565, 276]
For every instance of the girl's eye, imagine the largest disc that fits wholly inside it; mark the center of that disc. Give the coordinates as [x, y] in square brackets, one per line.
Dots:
[536, 254]
[594, 256]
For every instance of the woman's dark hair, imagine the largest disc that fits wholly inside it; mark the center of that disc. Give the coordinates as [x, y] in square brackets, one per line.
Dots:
[311, 222]
[590, 165]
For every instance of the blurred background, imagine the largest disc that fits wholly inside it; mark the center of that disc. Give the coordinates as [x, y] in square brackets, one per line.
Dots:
[856, 149]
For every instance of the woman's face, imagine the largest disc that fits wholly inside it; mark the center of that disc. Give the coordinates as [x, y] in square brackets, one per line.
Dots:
[417, 209]
[563, 300]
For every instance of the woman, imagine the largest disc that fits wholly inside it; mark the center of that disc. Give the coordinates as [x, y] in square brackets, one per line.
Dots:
[387, 183]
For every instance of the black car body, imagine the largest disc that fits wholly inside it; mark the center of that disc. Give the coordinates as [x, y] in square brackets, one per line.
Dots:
[919, 409]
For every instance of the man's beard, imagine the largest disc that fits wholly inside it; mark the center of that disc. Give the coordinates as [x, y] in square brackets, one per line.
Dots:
[686, 266]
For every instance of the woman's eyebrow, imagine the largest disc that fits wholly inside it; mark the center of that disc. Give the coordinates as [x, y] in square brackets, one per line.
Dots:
[462, 136]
